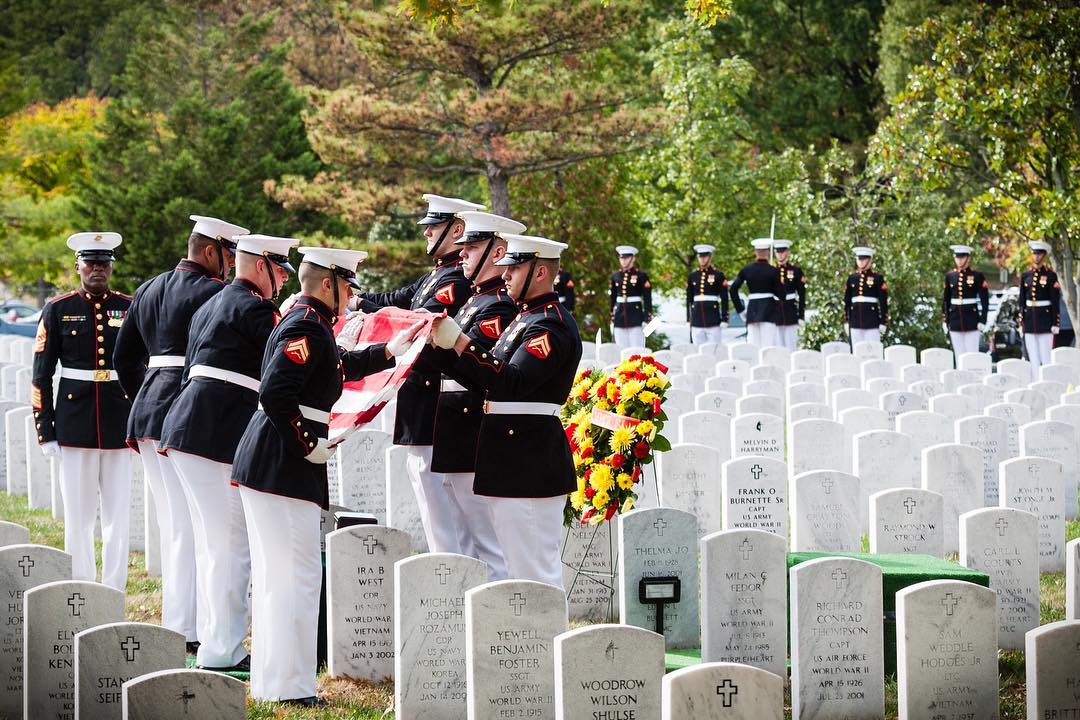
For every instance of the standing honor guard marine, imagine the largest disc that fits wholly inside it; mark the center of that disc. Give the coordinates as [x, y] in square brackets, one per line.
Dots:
[461, 403]
[149, 359]
[523, 460]
[762, 309]
[793, 299]
[964, 303]
[1040, 307]
[866, 300]
[203, 427]
[87, 428]
[706, 299]
[280, 466]
[631, 300]
[444, 289]
[564, 288]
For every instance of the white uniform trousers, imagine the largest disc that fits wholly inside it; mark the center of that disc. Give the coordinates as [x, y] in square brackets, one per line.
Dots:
[858, 335]
[1038, 347]
[529, 532]
[762, 334]
[964, 342]
[286, 574]
[477, 523]
[702, 335]
[179, 601]
[788, 336]
[222, 560]
[442, 518]
[629, 337]
[87, 474]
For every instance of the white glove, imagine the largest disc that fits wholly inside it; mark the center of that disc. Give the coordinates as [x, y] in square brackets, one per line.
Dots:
[881, 328]
[982, 327]
[847, 329]
[349, 334]
[723, 326]
[945, 328]
[354, 303]
[446, 334]
[1055, 330]
[320, 453]
[288, 302]
[400, 343]
[50, 449]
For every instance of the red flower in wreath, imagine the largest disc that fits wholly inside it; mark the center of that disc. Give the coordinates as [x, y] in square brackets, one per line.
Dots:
[641, 450]
[618, 460]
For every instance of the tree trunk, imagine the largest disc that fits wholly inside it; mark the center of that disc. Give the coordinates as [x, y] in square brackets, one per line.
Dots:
[499, 188]
[1067, 276]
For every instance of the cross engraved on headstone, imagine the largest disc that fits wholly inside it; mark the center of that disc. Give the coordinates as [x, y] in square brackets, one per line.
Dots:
[910, 504]
[982, 426]
[1034, 469]
[518, 602]
[727, 691]
[903, 400]
[746, 548]
[185, 697]
[370, 542]
[660, 524]
[76, 602]
[129, 647]
[827, 485]
[1002, 525]
[756, 470]
[609, 651]
[840, 577]
[949, 602]
[443, 571]
[26, 563]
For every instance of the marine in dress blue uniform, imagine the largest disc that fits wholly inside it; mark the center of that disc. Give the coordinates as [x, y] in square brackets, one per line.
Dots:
[280, 466]
[965, 303]
[1040, 307]
[444, 289]
[203, 427]
[149, 359]
[631, 300]
[523, 461]
[85, 426]
[706, 298]
[866, 300]
[761, 311]
[792, 298]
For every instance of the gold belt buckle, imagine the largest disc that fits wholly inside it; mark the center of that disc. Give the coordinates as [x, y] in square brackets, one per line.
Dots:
[102, 376]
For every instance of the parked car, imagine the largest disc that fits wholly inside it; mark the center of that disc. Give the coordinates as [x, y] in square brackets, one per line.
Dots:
[15, 311]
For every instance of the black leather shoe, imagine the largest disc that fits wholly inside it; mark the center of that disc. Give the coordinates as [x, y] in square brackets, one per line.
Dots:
[309, 702]
[242, 666]
[193, 648]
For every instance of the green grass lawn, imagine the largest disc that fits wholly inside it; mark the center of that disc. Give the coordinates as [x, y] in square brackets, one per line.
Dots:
[365, 701]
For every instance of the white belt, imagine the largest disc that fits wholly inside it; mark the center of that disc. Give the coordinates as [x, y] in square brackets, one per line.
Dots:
[449, 385]
[88, 375]
[162, 361]
[762, 296]
[706, 298]
[313, 414]
[224, 375]
[628, 299]
[1037, 303]
[521, 408]
[964, 301]
[864, 299]
[791, 296]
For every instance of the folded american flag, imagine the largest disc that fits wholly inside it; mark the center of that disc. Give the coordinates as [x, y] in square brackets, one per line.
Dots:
[362, 399]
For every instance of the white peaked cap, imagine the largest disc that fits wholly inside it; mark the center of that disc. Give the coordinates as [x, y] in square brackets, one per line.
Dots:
[704, 249]
[217, 229]
[484, 222]
[762, 243]
[863, 251]
[780, 244]
[259, 244]
[522, 248]
[1039, 245]
[334, 258]
[94, 242]
[626, 249]
[960, 249]
[440, 208]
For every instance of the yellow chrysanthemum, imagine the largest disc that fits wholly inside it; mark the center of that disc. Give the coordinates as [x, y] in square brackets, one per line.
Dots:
[577, 500]
[620, 409]
[601, 479]
[600, 500]
[581, 435]
[625, 481]
[621, 439]
[654, 382]
[645, 427]
[646, 396]
[581, 417]
[632, 388]
[612, 392]
[586, 462]
[581, 484]
[650, 369]
[578, 462]
[603, 404]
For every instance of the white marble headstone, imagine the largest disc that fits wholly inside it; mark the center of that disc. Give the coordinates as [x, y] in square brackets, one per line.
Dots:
[906, 521]
[608, 670]
[1056, 441]
[991, 436]
[956, 472]
[1052, 657]
[1035, 484]
[723, 690]
[825, 512]
[183, 694]
[757, 434]
[755, 494]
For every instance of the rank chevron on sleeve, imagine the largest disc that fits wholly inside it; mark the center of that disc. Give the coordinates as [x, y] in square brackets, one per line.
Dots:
[297, 350]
